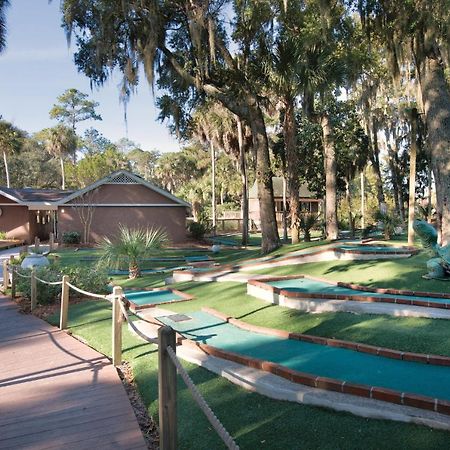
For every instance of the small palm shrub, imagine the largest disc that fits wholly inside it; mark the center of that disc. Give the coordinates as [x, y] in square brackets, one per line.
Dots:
[389, 223]
[131, 245]
[197, 230]
[2, 235]
[307, 222]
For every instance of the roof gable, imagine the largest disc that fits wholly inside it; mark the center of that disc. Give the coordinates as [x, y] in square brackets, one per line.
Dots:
[123, 177]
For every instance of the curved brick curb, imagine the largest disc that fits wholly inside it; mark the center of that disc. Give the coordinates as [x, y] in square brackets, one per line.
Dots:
[262, 284]
[331, 384]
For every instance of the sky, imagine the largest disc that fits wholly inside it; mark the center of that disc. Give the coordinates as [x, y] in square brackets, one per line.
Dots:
[37, 66]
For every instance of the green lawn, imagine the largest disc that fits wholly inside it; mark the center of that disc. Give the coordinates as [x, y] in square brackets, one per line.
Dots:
[401, 273]
[256, 421]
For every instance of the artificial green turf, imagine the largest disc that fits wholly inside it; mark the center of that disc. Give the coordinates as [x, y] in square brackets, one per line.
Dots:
[399, 273]
[254, 420]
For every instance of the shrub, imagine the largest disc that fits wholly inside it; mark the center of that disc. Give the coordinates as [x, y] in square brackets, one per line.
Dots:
[308, 221]
[197, 230]
[71, 237]
[86, 278]
[389, 223]
[46, 294]
[2, 235]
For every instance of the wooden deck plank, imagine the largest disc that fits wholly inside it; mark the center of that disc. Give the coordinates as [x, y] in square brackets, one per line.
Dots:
[56, 392]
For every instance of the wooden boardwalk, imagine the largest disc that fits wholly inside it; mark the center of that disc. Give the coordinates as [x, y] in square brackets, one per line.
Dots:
[57, 393]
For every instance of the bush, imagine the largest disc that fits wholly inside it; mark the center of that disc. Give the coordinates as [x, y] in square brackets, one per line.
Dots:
[197, 230]
[86, 278]
[71, 237]
[2, 235]
[389, 222]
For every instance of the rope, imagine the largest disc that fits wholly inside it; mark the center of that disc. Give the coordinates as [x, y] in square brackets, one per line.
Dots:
[201, 402]
[89, 294]
[21, 275]
[133, 326]
[52, 283]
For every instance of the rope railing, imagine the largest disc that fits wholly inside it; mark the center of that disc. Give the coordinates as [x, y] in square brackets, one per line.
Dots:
[201, 402]
[119, 312]
[134, 327]
[89, 294]
[51, 283]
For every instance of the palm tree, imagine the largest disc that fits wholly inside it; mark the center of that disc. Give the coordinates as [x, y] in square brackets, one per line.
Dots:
[3, 5]
[133, 245]
[10, 142]
[60, 141]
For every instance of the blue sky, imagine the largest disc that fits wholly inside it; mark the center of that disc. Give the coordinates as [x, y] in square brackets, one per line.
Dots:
[37, 66]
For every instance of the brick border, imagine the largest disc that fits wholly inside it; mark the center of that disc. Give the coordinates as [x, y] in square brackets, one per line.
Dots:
[436, 360]
[262, 284]
[329, 384]
[184, 297]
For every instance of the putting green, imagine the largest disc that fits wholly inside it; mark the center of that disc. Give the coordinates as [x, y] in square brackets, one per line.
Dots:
[319, 360]
[321, 287]
[145, 298]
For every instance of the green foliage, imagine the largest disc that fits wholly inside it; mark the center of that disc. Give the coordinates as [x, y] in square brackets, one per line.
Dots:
[46, 294]
[133, 245]
[389, 222]
[197, 230]
[73, 106]
[3, 235]
[71, 237]
[95, 166]
[86, 278]
[307, 222]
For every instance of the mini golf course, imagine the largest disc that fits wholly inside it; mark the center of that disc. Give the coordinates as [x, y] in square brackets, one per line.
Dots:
[411, 379]
[330, 252]
[291, 291]
[140, 299]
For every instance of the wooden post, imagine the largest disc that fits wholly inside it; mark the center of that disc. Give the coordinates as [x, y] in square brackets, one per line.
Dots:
[13, 277]
[117, 326]
[51, 241]
[167, 390]
[33, 283]
[64, 303]
[5, 275]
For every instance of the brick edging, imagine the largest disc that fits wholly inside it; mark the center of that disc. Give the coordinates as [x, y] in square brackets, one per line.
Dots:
[329, 384]
[262, 284]
[431, 359]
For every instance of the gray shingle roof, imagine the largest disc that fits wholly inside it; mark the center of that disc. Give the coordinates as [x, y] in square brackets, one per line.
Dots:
[35, 195]
[278, 189]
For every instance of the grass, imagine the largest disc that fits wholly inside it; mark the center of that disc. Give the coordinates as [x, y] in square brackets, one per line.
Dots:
[254, 420]
[401, 273]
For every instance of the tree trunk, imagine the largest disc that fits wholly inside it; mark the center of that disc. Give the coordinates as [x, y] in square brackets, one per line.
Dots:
[63, 175]
[244, 179]
[269, 229]
[350, 207]
[363, 202]
[375, 159]
[394, 177]
[292, 164]
[331, 222]
[285, 227]
[213, 187]
[430, 187]
[6, 169]
[436, 101]
[134, 270]
[412, 176]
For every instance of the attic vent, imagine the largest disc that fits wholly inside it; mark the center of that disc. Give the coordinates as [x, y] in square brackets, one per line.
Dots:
[122, 178]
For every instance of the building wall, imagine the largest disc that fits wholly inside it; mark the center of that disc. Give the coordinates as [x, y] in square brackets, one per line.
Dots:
[106, 220]
[14, 220]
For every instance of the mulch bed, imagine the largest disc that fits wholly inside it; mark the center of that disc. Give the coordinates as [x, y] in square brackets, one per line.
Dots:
[146, 423]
